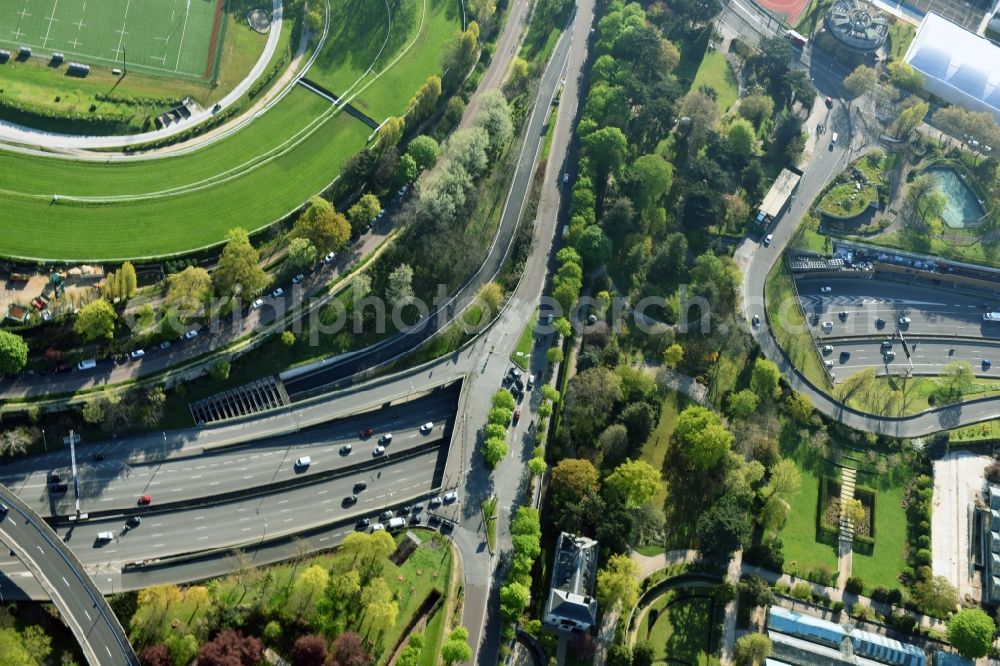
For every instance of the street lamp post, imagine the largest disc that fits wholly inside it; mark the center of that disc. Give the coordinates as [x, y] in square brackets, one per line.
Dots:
[112, 581]
[45, 441]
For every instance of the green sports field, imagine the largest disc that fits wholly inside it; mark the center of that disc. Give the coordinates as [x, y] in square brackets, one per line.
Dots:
[174, 38]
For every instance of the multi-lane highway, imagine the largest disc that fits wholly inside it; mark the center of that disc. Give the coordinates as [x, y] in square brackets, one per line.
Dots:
[114, 484]
[49, 564]
[927, 357]
[932, 311]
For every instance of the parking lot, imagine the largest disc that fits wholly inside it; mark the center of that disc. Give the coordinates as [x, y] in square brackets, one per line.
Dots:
[958, 479]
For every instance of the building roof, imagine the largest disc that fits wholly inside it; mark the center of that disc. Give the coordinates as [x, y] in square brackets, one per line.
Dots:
[958, 65]
[777, 196]
[573, 579]
[887, 650]
[805, 626]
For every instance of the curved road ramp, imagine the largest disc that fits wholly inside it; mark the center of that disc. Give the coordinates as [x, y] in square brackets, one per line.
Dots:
[61, 575]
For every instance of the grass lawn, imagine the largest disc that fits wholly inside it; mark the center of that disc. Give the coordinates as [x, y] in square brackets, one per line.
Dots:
[976, 432]
[801, 549]
[811, 241]
[789, 325]
[847, 201]
[490, 520]
[887, 560]
[692, 49]
[901, 34]
[680, 631]
[522, 352]
[353, 55]
[915, 393]
[724, 374]
[654, 451]
[716, 73]
[233, 182]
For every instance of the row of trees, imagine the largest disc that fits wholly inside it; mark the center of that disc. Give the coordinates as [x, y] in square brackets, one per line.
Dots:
[515, 595]
[497, 422]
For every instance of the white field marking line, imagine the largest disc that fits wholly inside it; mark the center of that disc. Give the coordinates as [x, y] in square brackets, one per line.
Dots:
[180, 47]
[52, 18]
[80, 25]
[250, 165]
[121, 39]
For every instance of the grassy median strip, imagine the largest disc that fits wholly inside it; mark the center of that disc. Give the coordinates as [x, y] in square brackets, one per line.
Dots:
[490, 521]
[522, 353]
[789, 325]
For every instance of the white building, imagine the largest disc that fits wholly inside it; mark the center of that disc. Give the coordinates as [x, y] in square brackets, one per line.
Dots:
[958, 66]
[570, 604]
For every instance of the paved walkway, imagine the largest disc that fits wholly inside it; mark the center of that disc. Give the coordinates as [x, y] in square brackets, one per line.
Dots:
[651, 563]
[845, 542]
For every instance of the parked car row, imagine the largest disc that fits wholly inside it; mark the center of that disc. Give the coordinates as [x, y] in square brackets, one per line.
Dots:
[407, 514]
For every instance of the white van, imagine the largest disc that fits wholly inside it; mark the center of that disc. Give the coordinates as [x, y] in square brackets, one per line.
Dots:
[304, 461]
[833, 139]
[86, 364]
[105, 536]
[396, 523]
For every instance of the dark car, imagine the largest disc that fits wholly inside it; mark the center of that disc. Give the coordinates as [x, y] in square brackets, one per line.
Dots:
[387, 514]
[362, 524]
[58, 488]
[403, 510]
[54, 478]
[132, 522]
[360, 485]
[350, 500]
[3, 511]
[97, 457]
[415, 519]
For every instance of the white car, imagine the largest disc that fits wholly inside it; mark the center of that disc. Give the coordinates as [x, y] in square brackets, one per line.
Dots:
[138, 353]
[829, 365]
[825, 290]
[190, 335]
[380, 215]
[256, 304]
[904, 321]
[298, 278]
[827, 326]
[329, 257]
[827, 349]
[278, 293]
[427, 427]
[378, 450]
[450, 497]
[767, 239]
[378, 527]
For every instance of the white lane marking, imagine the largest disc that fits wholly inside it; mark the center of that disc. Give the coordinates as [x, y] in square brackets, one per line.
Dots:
[199, 517]
[89, 619]
[214, 483]
[246, 529]
[288, 520]
[157, 545]
[39, 549]
[321, 492]
[177, 490]
[204, 538]
[65, 581]
[284, 501]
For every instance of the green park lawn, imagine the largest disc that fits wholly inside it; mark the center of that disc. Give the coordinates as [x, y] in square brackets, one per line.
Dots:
[716, 73]
[846, 200]
[680, 632]
[901, 34]
[358, 60]
[522, 352]
[248, 180]
[801, 549]
[888, 559]
[654, 451]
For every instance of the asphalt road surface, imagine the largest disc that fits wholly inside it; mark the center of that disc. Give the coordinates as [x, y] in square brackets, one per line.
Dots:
[81, 605]
[927, 357]
[115, 484]
[247, 521]
[932, 312]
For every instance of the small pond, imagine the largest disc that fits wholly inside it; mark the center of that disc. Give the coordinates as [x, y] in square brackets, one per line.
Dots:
[963, 208]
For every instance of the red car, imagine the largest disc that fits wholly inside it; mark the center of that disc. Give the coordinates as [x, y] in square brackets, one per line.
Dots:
[145, 499]
[517, 414]
[364, 434]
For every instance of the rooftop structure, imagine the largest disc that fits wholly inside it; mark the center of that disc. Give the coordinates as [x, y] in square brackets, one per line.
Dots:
[778, 196]
[570, 604]
[958, 66]
[857, 25]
